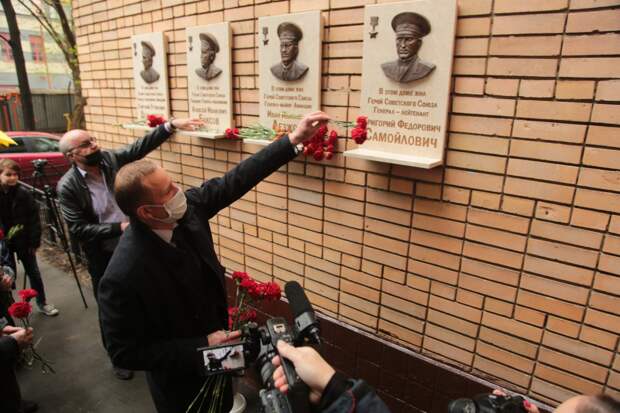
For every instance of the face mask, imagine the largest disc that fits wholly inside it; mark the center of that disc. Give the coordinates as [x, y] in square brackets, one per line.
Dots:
[93, 158]
[175, 207]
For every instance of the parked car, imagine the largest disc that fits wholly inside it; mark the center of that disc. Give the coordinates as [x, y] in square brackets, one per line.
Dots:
[32, 146]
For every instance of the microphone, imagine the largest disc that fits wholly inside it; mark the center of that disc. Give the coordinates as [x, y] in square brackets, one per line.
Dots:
[306, 324]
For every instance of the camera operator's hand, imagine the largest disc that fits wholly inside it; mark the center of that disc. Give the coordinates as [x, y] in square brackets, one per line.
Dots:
[23, 336]
[530, 407]
[309, 365]
[186, 124]
[308, 127]
[6, 282]
[221, 337]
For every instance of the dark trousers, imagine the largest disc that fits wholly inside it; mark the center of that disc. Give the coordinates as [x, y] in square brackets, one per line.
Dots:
[97, 263]
[31, 267]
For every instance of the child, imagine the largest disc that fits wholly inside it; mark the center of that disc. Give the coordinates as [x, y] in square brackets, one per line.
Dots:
[17, 206]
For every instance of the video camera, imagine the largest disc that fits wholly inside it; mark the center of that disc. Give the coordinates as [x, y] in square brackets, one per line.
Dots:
[39, 164]
[488, 403]
[258, 346]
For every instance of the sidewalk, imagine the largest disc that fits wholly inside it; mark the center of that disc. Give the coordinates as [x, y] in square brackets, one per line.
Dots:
[84, 381]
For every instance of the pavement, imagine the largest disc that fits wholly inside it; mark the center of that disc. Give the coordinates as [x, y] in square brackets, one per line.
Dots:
[84, 381]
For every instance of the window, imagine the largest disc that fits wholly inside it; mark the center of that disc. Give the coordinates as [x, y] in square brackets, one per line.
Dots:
[19, 148]
[7, 51]
[37, 46]
[39, 144]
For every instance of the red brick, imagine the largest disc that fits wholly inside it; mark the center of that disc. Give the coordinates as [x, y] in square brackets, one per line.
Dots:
[473, 26]
[563, 233]
[498, 220]
[562, 252]
[603, 136]
[480, 125]
[516, 205]
[474, 180]
[539, 190]
[546, 151]
[444, 259]
[574, 89]
[483, 106]
[537, 88]
[492, 254]
[567, 380]
[529, 6]
[589, 219]
[605, 201]
[556, 289]
[590, 67]
[591, 44]
[552, 131]
[608, 90]
[600, 179]
[606, 113]
[543, 170]
[502, 87]
[577, 348]
[593, 21]
[552, 212]
[513, 327]
[478, 143]
[471, 47]
[496, 237]
[485, 200]
[526, 46]
[501, 371]
[550, 305]
[438, 241]
[503, 66]
[536, 109]
[529, 24]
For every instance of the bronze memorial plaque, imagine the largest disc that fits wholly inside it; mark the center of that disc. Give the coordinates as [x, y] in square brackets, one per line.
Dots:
[406, 77]
[289, 55]
[150, 75]
[209, 77]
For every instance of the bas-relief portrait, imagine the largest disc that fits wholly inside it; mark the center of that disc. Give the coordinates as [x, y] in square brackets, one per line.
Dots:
[410, 28]
[289, 69]
[209, 48]
[149, 75]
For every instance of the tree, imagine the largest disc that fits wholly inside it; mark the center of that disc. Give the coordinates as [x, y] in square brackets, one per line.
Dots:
[20, 64]
[64, 37]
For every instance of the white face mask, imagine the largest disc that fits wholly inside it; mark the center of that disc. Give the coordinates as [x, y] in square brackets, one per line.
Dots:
[175, 207]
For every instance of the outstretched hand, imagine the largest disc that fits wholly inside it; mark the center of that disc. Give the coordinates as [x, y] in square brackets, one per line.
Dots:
[308, 126]
[221, 337]
[187, 124]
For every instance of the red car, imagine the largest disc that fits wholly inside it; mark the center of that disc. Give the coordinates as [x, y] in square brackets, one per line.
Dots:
[32, 146]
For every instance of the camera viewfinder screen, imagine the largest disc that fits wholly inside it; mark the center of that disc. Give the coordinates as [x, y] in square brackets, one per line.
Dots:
[223, 359]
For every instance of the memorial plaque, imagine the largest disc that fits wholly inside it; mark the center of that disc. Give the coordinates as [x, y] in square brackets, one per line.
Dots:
[209, 76]
[289, 55]
[406, 77]
[150, 74]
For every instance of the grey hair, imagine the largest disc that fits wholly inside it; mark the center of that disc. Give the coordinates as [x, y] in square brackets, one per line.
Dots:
[65, 144]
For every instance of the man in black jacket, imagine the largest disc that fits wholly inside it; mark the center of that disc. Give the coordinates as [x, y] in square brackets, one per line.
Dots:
[86, 193]
[163, 294]
[12, 341]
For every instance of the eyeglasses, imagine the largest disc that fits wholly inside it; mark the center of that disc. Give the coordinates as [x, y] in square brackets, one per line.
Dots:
[86, 144]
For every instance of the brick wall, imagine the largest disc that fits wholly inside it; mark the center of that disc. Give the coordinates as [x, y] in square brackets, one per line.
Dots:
[505, 262]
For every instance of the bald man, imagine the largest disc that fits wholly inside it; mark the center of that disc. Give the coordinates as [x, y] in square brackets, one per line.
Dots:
[87, 197]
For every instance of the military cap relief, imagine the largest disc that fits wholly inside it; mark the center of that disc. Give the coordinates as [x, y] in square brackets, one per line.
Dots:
[209, 48]
[289, 69]
[148, 74]
[410, 28]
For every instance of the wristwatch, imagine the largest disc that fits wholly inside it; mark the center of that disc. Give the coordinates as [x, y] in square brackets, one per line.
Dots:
[172, 127]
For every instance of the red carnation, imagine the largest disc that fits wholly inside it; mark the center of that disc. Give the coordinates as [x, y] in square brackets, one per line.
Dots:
[1, 235]
[329, 155]
[362, 122]
[318, 155]
[240, 276]
[154, 120]
[230, 133]
[20, 310]
[248, 284]
[236, 132]
[333, 138]
[358, 135]
[272, 291]
[28, 294]
[249, 315]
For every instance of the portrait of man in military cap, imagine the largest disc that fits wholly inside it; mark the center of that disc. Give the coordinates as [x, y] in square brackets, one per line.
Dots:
[289, 68]
[410, 28]
[209, 47]
[149, 75]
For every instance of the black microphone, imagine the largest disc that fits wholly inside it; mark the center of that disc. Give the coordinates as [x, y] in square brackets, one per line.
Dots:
[306, 324]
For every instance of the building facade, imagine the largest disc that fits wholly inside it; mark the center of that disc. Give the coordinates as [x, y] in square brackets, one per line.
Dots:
[504, 262]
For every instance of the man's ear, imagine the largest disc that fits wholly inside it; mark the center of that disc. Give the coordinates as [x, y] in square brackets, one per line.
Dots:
[143, 214]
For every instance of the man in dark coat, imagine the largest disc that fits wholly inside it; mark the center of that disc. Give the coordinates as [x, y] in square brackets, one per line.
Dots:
[87, 197]
[12, 341]
[163, 295]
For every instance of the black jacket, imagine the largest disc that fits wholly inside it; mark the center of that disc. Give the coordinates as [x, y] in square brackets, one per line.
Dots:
[10, 397]
[75, 201]
[21, 209]
[342, 395]
[157, 304]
